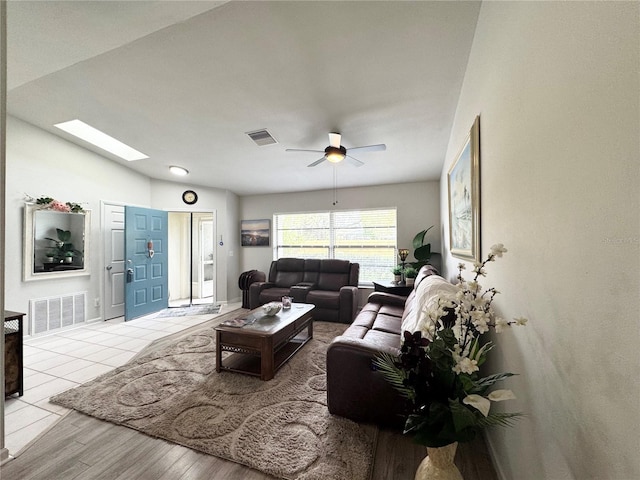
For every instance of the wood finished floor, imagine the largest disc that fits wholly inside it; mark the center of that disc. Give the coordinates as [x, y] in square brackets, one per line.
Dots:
[84, 448]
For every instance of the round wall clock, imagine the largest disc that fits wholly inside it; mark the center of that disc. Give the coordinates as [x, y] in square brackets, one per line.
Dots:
[189, 197]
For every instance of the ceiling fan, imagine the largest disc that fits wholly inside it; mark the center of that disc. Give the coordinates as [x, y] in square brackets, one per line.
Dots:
[335, 153]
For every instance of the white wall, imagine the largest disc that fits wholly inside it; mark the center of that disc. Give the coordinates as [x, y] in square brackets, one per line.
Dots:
[418, 207]
[42, 164]
[556, 85]
[230, 235]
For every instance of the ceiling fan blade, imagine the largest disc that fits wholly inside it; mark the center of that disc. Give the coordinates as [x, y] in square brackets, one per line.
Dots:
[369, 148]
[317, 162]
[354, 161]
[302, 150]
[334, 139]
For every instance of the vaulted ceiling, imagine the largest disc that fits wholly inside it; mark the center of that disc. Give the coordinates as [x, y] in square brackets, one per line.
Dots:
[184, 81]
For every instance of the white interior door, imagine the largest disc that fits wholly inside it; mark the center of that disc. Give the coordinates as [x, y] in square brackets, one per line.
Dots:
[114, 276]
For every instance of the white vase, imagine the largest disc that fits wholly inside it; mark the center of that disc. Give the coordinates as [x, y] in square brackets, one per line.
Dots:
[438, 464]
[410, 282]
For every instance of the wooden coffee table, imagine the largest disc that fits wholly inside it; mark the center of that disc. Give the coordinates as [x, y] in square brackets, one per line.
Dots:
[262, 347]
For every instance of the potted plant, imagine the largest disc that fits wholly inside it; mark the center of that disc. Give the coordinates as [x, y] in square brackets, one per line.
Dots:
[62, 249]
[421, 250]
[49, 256]
[68, 257]
[438, 373]
[410, 274]
[397, 274]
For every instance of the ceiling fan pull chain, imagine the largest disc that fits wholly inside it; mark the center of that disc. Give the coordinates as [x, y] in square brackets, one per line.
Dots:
[335, 185]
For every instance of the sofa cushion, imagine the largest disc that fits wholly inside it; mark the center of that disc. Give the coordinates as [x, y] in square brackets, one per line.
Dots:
[289, 272]
[334, 274]
[392, 311]
[382, 340]
[311, 270]
[324, 299]
[365, 318]
[273, 294]
[388, 323]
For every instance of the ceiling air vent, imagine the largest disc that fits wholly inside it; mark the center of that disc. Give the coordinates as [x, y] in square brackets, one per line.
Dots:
[262, 137]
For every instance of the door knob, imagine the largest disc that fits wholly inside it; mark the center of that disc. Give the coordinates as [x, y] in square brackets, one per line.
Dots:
[109, 267]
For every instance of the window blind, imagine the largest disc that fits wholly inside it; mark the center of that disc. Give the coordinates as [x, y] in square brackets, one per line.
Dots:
[367, 237]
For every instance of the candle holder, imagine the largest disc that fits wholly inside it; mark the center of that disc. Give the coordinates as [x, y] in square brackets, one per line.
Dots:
[403, 253]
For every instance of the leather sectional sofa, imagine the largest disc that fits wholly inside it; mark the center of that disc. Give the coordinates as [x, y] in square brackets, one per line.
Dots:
[330, 285]
[354, 388]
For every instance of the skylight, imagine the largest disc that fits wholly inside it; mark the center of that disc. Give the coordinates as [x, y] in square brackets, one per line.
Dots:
[100, 139]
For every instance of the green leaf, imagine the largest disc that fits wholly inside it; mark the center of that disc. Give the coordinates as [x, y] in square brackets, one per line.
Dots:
[387, 366]
[423, 253]
[499, 419]
[467, 383]
[63, 235]
[462, 416]
[416, 423]
[419, 238]
[484, 383]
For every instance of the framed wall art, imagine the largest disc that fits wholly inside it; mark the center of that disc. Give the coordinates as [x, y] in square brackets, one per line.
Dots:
[464, 198]
[255, 233]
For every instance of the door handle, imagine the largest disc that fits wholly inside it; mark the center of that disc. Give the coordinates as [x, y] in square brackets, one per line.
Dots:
[129, 275]
[109, 267]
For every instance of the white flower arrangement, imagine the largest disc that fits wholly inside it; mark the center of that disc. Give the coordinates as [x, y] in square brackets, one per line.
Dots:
[438, 373]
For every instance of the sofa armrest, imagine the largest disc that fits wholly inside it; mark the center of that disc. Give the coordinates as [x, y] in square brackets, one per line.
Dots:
[355, 389]
[254, 292]
[348, 304]
[249, 277]
[387, 299]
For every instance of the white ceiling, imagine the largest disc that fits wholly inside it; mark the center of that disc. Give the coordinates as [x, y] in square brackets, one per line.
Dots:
[183, 82]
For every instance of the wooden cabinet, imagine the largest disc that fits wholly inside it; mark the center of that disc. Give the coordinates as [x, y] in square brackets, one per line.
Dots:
[13, 362]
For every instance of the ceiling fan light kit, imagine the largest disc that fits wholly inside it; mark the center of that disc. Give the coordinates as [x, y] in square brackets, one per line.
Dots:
[336, 153]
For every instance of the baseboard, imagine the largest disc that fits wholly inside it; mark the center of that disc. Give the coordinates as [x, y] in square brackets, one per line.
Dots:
[4, 456]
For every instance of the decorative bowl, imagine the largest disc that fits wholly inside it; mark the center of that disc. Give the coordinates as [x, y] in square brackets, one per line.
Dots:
[270, 309]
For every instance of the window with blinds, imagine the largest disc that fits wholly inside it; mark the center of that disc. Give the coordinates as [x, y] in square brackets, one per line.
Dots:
[367, 237]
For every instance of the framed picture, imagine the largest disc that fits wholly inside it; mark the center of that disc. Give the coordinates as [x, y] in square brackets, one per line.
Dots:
[464, 198]
[255, 233]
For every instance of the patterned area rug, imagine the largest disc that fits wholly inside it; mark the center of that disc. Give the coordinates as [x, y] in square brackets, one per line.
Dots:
[281, 427]
[185, 311]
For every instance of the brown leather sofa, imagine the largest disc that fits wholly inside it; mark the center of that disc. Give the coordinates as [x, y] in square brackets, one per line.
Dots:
[330, 285]
[354, 388]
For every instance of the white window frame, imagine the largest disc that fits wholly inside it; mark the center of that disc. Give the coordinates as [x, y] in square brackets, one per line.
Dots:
[375, 272]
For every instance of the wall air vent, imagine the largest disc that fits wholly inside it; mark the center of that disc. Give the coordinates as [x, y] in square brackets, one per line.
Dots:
[262, 137]
[52, 313]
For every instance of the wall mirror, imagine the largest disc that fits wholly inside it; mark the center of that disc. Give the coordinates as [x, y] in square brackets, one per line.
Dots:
[55, 244]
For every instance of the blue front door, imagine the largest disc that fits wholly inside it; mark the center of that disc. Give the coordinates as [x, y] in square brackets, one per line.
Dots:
[146, 284]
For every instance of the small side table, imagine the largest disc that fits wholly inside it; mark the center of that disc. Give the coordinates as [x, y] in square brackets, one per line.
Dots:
[13, 362]
[388, 287]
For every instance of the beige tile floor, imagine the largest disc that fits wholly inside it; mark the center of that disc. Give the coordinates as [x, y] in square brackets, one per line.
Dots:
[70, 357]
